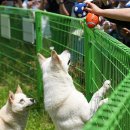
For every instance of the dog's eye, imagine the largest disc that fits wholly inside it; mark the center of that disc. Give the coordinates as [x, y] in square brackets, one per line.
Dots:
[68, 62]
[21, 101]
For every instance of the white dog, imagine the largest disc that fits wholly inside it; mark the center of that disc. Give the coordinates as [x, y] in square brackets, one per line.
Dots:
[13, 116]
[67, 107]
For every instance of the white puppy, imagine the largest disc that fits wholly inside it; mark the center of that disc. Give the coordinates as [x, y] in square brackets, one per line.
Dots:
[13, 116]
[67, 107]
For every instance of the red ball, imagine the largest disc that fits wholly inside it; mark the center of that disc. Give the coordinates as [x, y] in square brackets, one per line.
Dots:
[92, 20]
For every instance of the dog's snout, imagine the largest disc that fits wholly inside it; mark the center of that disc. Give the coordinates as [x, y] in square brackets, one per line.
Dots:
[67, 51]
[32, 100]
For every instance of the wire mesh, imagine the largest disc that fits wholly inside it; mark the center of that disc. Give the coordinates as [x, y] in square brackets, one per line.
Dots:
[108, 59]
[17, 55]
[62, 32]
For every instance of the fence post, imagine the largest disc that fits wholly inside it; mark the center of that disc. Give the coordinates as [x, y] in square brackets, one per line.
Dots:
[39, 46]
[87, 62]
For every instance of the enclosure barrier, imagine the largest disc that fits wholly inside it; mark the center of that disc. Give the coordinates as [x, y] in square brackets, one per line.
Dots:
[96, 57]
[107, 58]
[62, 32]
[17, 48]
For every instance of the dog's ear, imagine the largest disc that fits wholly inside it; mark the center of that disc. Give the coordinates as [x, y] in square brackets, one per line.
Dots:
[11, 96]
[41, 58]
[54, 56]
[19, 90]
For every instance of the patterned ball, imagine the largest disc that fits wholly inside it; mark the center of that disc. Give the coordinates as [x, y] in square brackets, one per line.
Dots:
[92, 20]
[79, 9]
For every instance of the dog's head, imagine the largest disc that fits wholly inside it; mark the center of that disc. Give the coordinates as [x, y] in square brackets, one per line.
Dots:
[55, 62]
[18, 101]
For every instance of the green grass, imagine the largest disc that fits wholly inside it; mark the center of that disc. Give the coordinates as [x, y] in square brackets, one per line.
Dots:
[37, 120]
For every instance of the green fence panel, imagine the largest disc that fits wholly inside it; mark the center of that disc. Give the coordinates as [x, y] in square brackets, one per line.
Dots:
[62, 32]
[17, 51]
[107, 58]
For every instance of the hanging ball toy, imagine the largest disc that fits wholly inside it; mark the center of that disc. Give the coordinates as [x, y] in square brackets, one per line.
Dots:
[92, 20]
[79, 9]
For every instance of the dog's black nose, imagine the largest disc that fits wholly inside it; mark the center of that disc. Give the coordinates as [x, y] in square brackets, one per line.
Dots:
[32, 100]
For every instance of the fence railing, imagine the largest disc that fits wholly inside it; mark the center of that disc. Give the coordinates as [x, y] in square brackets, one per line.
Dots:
[62, 32]
[17, 48]
[107, 58]
[96, 56]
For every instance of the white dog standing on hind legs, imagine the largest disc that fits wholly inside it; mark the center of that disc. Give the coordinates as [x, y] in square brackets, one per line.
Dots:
[67, 107]
[13, 116]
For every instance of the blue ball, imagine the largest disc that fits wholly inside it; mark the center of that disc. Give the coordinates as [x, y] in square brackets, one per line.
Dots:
[79, 9]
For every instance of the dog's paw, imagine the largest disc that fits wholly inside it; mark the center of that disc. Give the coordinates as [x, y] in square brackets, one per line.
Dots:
[103, 101]
[107, 84]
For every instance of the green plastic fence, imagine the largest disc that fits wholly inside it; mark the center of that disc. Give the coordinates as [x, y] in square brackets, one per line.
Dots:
[107, 58]
[96, 57]
[63, 33]
[17, 54]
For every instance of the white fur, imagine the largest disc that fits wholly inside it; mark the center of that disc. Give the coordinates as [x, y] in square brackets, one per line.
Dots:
[68, 108]
[13, 115]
